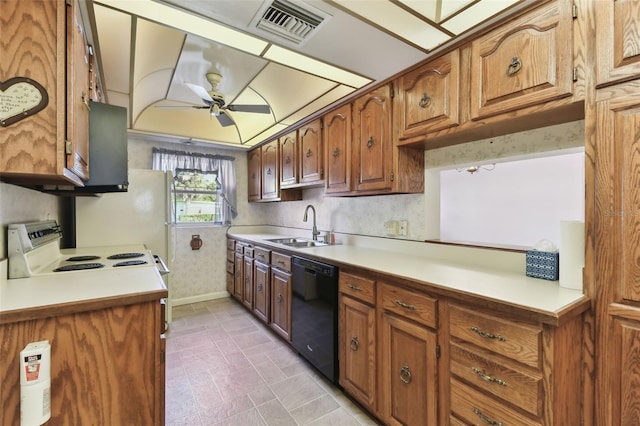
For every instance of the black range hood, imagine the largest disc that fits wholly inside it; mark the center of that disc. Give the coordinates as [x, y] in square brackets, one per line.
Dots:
[108, 158]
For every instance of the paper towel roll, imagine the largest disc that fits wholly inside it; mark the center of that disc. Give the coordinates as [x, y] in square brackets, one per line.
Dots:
[571, 254]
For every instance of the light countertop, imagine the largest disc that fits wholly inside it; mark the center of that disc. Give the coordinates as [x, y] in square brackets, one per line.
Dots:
[503, 286]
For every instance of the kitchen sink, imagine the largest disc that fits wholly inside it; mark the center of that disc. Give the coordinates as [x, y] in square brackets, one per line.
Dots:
[297, 242]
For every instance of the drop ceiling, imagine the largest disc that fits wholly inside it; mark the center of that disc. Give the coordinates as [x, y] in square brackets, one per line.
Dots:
[319, 54]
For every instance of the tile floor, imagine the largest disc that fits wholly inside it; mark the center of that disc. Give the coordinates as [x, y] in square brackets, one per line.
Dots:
[224, 367]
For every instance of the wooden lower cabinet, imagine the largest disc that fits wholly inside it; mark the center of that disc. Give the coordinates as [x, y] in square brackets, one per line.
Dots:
[408, 370]
[247, 294]
[107, 365]
[261, 280]
[281, 303]
[357, 339]
[238, 282]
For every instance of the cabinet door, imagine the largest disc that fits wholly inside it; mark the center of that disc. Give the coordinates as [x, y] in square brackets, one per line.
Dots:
[357, 350]
[270, 179]
[310, 141]
[281, 302]
[372, 139]
[238, 286]
[254, 168]
[77, 93]
[617, 40]
[427, 98]
[618, 145]
[288, 160]
[409, 373]
[247, 294]
[337, 142]
[526, 62]
[261, 279]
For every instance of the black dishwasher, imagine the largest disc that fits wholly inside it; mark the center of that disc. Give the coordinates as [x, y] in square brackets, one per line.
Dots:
[314, 314]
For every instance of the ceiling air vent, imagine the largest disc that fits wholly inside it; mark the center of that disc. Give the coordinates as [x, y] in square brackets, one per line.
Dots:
[293, 22]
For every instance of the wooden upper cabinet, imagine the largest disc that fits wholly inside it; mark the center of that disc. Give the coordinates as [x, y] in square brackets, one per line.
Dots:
[525, 62]
[427, 98]
[254, 168]
[337, 144]
[373, 140]
[34, 150]
[270, 179]
[311, 152]
[289, 159]
[78, 88]
[617, 40]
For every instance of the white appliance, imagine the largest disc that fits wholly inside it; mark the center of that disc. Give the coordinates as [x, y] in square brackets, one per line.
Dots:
[140, 215]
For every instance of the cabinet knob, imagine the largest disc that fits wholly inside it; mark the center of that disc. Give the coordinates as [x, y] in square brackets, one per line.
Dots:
[370, 142]
[260, 287]
[425, 101]
[405, 374]
[354, 343]
[514, 66]
[309, 153]
[279, 298]
[269, 171]
[287, 160]
[336, 153]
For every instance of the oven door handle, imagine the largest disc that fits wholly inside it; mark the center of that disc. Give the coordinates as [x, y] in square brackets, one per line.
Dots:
[162, 267]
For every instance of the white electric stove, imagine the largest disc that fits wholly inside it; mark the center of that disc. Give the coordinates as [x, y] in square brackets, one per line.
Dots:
[34, 249]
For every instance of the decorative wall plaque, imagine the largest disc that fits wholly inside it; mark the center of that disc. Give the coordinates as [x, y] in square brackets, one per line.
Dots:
[20, 97]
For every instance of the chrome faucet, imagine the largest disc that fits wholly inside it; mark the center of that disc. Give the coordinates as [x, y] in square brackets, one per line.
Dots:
[314, 232]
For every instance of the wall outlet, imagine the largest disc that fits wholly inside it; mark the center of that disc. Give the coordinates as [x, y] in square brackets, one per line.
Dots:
[391, 227]
[403, 227]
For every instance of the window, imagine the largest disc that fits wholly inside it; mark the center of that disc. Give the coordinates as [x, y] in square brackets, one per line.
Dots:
[196, 197]
[204, 189]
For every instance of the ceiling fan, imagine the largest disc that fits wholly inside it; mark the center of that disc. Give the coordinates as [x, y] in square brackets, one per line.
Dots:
[214, 101]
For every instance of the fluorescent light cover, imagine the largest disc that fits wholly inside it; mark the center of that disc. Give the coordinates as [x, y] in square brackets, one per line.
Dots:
[477, 13]
[426, 8]
[175, 18]
[295, 60]
[396, 20]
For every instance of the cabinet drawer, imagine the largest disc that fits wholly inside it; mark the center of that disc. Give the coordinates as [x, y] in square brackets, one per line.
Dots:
[281, 261]
[517, 341]
[262, 255]
[358, 287]
[231, 267]
[240, 247]
[409, 304]
[517, 387]
[231, 245]
[231, 255]
[477, 408]
[248, 251]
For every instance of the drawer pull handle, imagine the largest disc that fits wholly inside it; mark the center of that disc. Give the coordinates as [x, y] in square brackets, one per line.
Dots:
[425, 101]
[488, 335]
[336, 153]
[309, 153]
[279, 298]
[405, 305]
[484, 376]
[354, 343]
[485, 419]
[405, 374]
[354, 287]
[370, 142]
[514, 66]
[260, 287]
[280, 262]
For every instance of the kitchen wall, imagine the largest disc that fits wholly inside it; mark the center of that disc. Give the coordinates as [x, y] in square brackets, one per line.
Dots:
[18, 204]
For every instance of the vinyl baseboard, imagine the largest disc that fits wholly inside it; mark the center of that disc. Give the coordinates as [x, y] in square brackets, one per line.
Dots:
[199, 298]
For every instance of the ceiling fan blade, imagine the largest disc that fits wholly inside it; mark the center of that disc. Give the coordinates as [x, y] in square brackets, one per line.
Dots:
[181, 106]
[201, 92]
[261, 109]
[224, 119]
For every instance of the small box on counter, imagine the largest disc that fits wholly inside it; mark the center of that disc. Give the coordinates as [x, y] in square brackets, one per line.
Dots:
[543, 264]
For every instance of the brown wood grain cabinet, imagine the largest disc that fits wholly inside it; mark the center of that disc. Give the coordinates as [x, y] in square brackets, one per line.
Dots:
[50, 147]
[262, 291]
[281, 283]
[337, 143]
[247, 277]
[231, 265]
[427, 98]
[270, 171]
[254, 171]
[289, 159]
[107, 365]
[311, 153]
[617, 271]
[524, 62]
[617, 34]
[238, 283]
[357, 338]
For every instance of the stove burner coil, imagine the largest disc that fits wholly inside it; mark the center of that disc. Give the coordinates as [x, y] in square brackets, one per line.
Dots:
[79, 267]
[130, 263]
[82, 258]
[125, 255]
